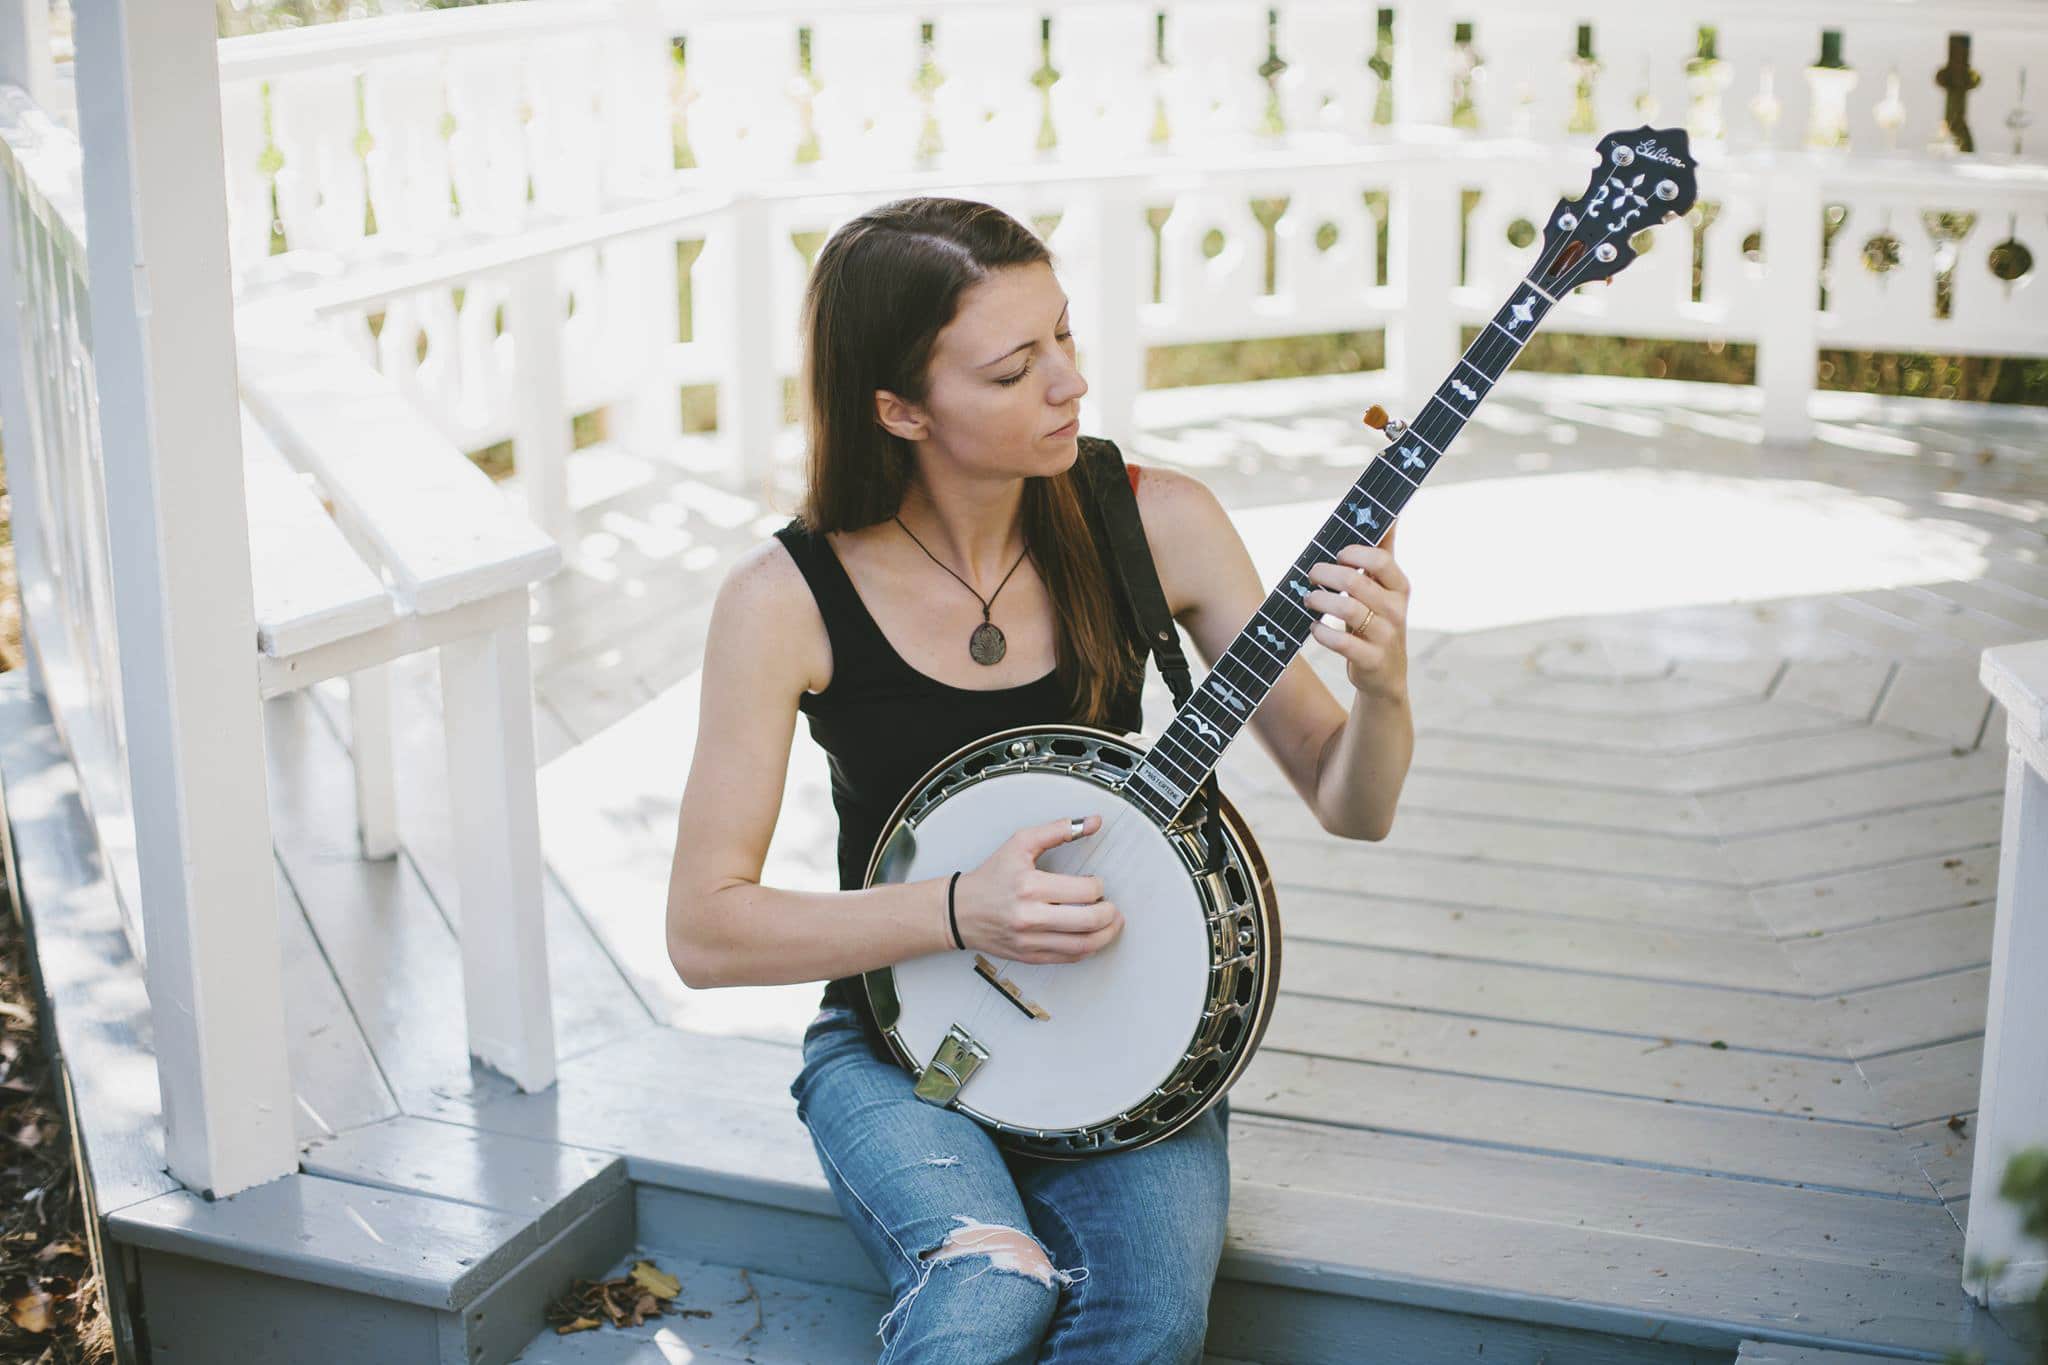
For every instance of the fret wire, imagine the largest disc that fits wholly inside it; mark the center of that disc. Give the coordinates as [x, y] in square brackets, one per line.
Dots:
[1185, 750]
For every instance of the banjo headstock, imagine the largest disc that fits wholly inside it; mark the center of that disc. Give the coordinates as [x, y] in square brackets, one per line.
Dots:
[1645, 177]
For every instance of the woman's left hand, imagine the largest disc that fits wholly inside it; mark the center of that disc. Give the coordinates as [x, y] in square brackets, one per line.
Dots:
[1365, 577]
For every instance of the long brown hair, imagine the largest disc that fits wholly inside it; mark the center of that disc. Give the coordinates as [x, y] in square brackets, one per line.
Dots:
[882, 289]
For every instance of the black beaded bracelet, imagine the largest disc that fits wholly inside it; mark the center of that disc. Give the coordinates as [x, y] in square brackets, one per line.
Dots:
[952, 915]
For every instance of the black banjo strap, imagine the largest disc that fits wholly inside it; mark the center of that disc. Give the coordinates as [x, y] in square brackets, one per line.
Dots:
[1114, 508]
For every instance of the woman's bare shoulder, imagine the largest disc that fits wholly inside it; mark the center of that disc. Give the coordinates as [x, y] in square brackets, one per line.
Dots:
[1186, 527]
[765, 604]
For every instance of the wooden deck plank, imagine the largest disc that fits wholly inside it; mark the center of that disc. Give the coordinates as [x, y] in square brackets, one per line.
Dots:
[1741, 723]
[608, 832]
[1662, 1133]
[1945, 1149]
[389, 946]
[1942, 699]
[1847, 845]
[727, 1314]
[1515, 937]
[1381, 873]
[1942, 941]
[1772, 760]
[97, 1018]
[592, 1001]
[1746, 677]
[1935, 881]
[1459, 795]
[335, 1079]
[1927, 1082]
[715, 1137]
[1910, 1014]
[1461, 987]
[1803, 801]
[1848, 688]
[385, 1243]
[2024, 615]
[1905, 1234]
[1776, 760]
[1672, 1291]
[1574, 1060]
[1516, 842]
[1654, 697]
[549, 1183]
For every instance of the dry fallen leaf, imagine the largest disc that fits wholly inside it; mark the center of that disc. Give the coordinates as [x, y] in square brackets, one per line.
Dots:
[67, 1247]
[579, 1325]
[656, 1281]
[31, 1312]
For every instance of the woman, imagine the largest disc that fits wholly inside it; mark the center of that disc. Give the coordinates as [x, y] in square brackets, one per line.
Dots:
[941, 582]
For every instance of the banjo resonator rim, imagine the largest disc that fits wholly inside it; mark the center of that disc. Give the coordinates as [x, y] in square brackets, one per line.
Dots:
[1244, 943]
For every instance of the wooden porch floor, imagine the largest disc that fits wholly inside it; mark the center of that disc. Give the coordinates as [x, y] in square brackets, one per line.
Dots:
[1658, 1016]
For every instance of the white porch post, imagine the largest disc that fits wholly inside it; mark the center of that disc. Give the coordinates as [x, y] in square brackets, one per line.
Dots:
[2012, 1104]
[164, 361]
[1787, 348]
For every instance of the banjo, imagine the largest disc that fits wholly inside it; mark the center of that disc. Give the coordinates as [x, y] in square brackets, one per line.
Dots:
[1132, 1043]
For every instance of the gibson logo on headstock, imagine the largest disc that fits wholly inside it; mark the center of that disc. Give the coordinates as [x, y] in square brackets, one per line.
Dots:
[1655, 153]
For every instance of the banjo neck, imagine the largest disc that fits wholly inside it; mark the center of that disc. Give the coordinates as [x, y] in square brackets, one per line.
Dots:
[1193, 743]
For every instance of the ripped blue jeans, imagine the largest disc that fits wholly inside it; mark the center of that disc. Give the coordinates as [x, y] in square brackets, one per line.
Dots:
[994, 1256]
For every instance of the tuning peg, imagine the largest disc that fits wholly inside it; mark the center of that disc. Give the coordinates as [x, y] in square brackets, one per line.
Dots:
[1376, 418]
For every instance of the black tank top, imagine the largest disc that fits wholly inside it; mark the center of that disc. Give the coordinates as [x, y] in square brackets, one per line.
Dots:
[883, 724]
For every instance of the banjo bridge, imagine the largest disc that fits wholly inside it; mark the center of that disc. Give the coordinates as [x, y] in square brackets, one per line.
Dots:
[1007, 988]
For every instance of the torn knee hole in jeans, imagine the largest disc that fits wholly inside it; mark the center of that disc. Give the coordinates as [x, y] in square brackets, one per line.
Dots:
[1005, 1249]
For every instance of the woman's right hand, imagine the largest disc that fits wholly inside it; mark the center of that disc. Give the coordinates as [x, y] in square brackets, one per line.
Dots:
[1013, 908]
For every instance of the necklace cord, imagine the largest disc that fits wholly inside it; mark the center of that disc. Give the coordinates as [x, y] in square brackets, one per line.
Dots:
[988, 603]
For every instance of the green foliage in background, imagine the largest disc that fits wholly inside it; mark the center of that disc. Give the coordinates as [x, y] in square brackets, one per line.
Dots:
[2025, 1183]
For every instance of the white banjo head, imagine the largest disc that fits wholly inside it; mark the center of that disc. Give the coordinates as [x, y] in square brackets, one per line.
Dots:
[1115, 1022]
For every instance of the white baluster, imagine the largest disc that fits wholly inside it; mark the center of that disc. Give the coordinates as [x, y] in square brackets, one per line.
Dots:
[1200, 294]
[987, 110]
[1422, 75]
[1787, 344]
[740, 114]
[404, 107]
[1311, 277]
[1524, 87]
[1422, 249]
[320, 190]
[564, 132]
[867, 113]
[1103, 102]
[1327, 91]
[1215, 97]
[487, 149]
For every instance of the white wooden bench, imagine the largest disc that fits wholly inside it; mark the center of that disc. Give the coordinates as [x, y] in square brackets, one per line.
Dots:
[421, 551]
[2012, 1101]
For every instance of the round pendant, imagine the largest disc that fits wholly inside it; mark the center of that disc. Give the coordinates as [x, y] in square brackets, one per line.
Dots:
[986, 644]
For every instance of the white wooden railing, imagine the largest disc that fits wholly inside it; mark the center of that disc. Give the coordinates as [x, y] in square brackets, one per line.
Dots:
[56, 481]
[119, 413]
[575, 95]
[2012, 1102]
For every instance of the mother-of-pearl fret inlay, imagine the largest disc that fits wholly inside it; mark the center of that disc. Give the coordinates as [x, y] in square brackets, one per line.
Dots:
[1246, 671]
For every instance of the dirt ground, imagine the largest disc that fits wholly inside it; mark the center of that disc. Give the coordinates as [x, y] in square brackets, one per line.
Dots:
[50, 1309]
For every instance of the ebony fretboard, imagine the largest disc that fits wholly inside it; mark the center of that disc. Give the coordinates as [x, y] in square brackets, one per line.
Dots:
[1217, 710]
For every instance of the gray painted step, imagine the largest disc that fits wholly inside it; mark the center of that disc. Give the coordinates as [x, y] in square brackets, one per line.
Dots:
[752, 1316]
